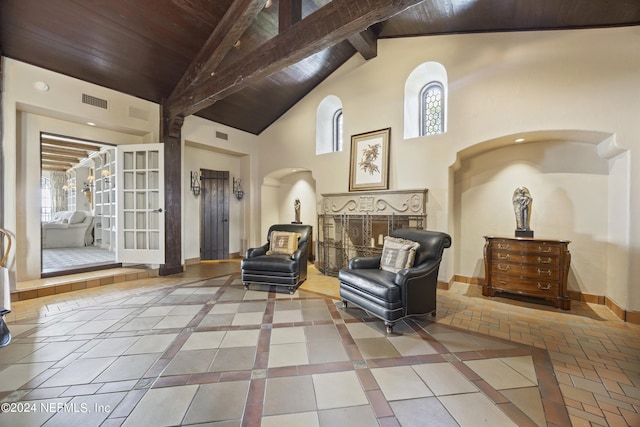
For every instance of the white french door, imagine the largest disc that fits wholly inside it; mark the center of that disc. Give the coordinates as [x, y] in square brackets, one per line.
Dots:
[140, 202]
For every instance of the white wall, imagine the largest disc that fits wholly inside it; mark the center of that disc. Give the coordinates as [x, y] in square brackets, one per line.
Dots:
[483, 188]
[27, 112]
[581, 82]
[236, 154]
[194, 160]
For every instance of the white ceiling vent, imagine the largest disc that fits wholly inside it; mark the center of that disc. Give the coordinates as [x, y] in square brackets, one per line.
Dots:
[138, 113]
[222, 135]
[95, 101]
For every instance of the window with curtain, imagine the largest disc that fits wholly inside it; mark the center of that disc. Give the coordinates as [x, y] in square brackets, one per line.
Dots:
[432, 109]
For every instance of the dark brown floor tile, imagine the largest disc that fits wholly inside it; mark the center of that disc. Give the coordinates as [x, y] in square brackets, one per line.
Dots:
[379, 404]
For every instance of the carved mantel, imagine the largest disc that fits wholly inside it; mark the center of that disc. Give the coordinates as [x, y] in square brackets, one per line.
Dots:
[388, 202]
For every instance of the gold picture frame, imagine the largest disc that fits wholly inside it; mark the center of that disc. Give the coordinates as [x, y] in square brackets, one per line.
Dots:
[369, 166]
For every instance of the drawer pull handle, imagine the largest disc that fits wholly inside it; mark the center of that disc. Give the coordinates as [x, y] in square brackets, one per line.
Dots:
[544, 261]
[546, 251]
[541, 272]
[501, 246]
[505, 268]
[500, 256]
[503, 282]
[544, 288]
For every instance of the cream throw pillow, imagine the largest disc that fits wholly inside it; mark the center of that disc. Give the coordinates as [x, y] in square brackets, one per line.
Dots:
[398, 254]
[283, 243]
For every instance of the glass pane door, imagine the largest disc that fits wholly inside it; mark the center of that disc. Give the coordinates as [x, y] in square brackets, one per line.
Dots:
[141, 204]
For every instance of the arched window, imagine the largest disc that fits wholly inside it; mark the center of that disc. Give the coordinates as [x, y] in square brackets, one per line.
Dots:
[337, 131]
[432, 109]
[329, 119]
[425, 101]
[46, 201]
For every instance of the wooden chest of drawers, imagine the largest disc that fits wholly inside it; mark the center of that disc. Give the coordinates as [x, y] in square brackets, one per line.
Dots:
[531, 267]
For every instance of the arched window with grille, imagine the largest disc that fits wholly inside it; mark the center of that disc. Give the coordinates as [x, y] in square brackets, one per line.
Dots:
[425, 101]
[432, 109]
[329, 120]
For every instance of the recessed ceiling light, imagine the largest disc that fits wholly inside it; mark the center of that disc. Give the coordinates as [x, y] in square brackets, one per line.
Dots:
[91, 123]
[41, 86]
[520, 140]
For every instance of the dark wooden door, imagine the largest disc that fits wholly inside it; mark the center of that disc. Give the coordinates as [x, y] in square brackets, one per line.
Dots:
[215, 215]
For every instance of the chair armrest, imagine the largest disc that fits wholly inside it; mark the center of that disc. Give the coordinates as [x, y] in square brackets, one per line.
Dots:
[367, 262]
[262, 250]
[405, 275]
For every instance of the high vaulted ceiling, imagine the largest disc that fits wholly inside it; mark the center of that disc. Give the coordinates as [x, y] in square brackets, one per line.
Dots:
[243, 64]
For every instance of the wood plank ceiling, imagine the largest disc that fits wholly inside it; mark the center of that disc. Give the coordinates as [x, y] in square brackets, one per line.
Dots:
[244, 63]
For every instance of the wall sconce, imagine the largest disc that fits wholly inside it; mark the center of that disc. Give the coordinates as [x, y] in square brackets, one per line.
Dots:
[106, 176]
[195, 183]
[89, 184]
[237, 188]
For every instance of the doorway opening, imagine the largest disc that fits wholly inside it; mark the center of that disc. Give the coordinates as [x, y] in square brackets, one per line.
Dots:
[78, 205]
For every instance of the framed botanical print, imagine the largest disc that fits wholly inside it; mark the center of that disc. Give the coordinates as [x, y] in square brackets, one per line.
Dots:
[369, 167]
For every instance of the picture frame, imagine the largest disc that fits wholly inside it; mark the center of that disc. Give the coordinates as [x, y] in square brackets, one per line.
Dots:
[369, 165]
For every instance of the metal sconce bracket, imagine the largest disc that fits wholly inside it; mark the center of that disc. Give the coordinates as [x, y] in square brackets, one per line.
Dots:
[195, 183]
[237, 188]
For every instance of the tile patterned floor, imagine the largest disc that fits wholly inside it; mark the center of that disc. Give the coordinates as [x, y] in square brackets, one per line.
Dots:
[197, 348]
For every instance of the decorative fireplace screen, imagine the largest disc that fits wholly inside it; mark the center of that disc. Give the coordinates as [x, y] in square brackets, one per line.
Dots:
[354, 224]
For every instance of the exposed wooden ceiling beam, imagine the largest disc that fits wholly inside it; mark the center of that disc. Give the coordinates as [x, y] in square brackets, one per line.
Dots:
[69, 144]
[289, 12]
[59, 158]
[64, 151]
[234, 23]
[366, 43]
[324, 28]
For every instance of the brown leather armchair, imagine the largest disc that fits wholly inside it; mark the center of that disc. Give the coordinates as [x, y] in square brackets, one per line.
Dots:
[262, 268]
[394, 296]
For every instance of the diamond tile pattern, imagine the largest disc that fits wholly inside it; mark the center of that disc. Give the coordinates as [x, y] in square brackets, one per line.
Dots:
[202, 350]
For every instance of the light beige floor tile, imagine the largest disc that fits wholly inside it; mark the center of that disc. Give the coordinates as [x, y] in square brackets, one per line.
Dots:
[240, 319]
[338, 390]
[51, 352]
[127, 368]
[411, 345]
[528, 401]
[475, 409]
[94, 327]
[247, 338]
[140, 324]
[162, 407]
[498, 374]
[365, 330]
[203, 340]
[86, 410]
[151, 344]
[225, 308]
[400, 382]
[186, 310]
[81, 371]
[14, 376]
[307, 419]
[443, 379]
[110, 347]
[218, 402]
[171, 322]
[524, 366]
[278, 397]
[293, 354]
[157, 311]
[287, 316]
[255, 295]
[287, 335]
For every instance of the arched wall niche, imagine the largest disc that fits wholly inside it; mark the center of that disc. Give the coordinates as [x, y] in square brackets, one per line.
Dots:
[572, 200]
[279, 191]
